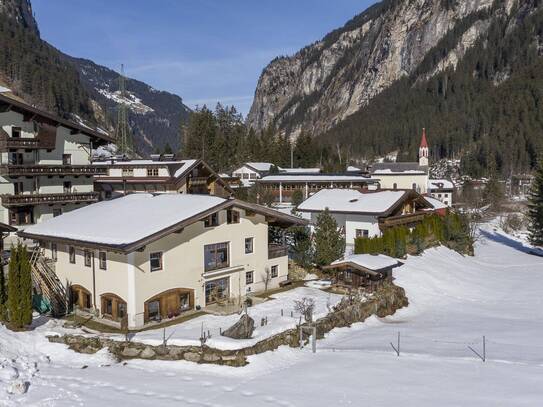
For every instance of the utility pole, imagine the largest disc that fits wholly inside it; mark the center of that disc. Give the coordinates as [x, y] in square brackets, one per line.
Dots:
[123, 135]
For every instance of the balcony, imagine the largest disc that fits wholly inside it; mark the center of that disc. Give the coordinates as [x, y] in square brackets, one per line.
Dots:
[277, 250]
[61, 198]
[7, 143]
[36, 169]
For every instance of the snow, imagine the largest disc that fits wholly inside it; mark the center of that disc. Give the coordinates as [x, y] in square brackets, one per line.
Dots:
[260, 166]
[301, 170]
[436, 203]
[132, 101]
[352, 168]
[453, 301]
[3, 89]
[186, 165]
[440, 184]
[317, 178]
[389, 171]
[125, 220]
[368, 261]
[188, 333]
[351, 200]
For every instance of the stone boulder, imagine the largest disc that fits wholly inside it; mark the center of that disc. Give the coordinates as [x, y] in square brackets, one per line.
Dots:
[243, 329]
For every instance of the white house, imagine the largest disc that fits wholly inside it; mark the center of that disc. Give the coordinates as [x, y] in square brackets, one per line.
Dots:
[147, 257]
[360, 214]
[441, 189]
[44, 163]
[249, 172]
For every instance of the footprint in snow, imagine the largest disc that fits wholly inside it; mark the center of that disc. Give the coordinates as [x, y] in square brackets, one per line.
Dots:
[206, 384]
[227, 388]
[247, 393]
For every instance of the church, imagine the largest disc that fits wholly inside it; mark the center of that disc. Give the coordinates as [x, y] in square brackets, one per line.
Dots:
[405, 175]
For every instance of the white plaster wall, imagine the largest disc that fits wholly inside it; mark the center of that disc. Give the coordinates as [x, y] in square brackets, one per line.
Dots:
[403, 181]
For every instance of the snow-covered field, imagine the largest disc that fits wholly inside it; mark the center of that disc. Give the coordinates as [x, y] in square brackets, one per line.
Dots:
[454, 301]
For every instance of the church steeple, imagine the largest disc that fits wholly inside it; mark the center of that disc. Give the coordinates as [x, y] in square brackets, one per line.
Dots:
[423, 150]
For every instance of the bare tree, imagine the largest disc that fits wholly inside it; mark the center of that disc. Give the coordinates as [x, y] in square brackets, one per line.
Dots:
[305, 306]
[266, 277]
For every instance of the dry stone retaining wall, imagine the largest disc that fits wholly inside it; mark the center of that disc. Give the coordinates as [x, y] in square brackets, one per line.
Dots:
[385, 301]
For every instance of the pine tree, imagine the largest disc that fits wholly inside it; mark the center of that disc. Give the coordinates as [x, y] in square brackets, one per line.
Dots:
[3, 297]
[19, 289]
[329, 242]
[535, 212]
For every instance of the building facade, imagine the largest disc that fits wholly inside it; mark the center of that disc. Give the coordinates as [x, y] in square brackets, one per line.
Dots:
[44, 164]
[442, 190]
[188, 252]
[158, 175]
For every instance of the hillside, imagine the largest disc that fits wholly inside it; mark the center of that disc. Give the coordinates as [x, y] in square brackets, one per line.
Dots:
[80, 89]
[371, 85]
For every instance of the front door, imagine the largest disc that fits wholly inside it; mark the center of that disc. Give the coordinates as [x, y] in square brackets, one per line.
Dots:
[217, 290]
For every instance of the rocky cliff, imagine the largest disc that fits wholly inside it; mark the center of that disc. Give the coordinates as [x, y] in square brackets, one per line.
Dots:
[331, 79]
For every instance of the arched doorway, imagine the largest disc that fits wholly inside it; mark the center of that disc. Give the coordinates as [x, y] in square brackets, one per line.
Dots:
[112, 307]
[80, 297]
[168, 304]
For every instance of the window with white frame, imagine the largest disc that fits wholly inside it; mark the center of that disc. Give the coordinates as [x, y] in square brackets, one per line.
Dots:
[127, 172]
[211, 220]
[71, 251]
[249, 245]
[274, 271]
[362, 233]
[155, 259]
[152, 172]
[88, 259]
[103, 260]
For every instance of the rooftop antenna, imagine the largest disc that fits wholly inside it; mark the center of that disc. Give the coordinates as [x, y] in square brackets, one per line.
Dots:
[123, 135]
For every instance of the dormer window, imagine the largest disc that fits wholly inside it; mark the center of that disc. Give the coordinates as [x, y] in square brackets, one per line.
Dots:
[16, 132]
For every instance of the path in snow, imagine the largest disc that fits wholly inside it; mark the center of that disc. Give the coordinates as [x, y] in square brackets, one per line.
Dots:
[454, 300]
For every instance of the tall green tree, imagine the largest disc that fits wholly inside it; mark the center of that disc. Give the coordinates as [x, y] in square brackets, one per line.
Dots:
[329, 241]
[3, 296]
[19, 288]
[535, 212]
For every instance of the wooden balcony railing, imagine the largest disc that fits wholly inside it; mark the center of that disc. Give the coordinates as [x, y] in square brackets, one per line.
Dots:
[37, 169]
[402, 220]
[18, 143]
[35, 199]
[276, 250]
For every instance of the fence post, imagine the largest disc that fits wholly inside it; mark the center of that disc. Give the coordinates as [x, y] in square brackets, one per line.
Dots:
[314, 340]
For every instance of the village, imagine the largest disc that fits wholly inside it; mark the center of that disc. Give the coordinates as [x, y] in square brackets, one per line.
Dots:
[318, 247]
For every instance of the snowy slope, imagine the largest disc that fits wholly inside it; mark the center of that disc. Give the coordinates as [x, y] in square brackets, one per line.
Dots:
[454, 300]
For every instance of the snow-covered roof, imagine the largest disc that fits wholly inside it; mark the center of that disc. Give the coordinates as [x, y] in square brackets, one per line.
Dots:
[135, 163]
[3, 89]
[440, 184]
[300, 170]
[316, 178]
[351, 200]
[125, 220]
[368, 261]
[436, 203]
[352, 168]
[398, 168]
[391, 171]
[187, 165]
[260, 166]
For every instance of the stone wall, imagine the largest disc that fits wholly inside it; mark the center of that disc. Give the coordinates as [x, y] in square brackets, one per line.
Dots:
[385, 301]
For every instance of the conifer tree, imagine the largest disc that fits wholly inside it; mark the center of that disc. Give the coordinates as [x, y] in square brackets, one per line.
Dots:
[535, 212]
[3, 297]
[19, 288]
[329, 242]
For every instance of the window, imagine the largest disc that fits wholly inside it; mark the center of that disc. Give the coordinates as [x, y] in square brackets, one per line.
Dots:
[16, 132]
[216, 290]
[103, 260]
[249, 277]
[249, 245]
[108, 306]
[66, 159]
[71, 251]
[211, 220]
[153, 310]
[361, 233]
[156, 261]
[88, 258]
[232, 216]
[394, 186]
[274, 271]
[152, 172]
[252, 176]
[57, 212]
[67, 186]
[216, 256]
[127, 172]
[184, 301]
[414, 186]
[18, 188]
[54, 254]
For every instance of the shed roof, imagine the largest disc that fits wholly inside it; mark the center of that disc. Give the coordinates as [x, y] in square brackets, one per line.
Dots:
[371, 262]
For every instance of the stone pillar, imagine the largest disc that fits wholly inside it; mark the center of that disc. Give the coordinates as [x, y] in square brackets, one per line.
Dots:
[135, 320]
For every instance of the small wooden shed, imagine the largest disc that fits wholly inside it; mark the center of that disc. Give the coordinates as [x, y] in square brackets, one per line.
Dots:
[366, 271]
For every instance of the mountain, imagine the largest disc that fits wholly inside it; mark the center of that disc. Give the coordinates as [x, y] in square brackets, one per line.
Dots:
[369, 87]
[80, 89]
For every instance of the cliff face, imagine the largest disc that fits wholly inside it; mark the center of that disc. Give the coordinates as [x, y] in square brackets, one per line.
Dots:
[20, 11]
[329, 80]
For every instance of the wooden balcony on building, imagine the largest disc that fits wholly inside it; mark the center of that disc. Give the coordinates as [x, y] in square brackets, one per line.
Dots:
[7, 143]
[198, 181]
[410, 219]
[277, 250]
[60, 198]
[13, 170]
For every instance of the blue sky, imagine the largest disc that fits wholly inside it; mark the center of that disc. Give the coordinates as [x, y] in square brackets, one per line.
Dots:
[203, 50]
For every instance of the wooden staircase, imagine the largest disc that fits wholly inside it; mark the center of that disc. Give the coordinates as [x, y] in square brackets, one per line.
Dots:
[48, 284]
